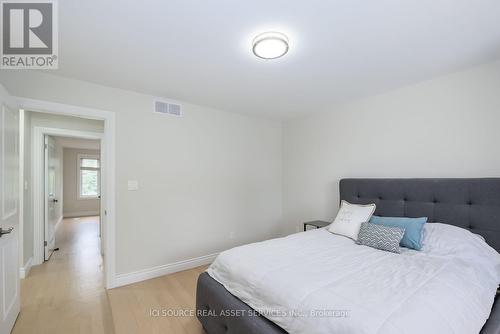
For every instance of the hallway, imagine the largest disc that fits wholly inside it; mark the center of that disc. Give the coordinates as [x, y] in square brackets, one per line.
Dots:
[66, 294]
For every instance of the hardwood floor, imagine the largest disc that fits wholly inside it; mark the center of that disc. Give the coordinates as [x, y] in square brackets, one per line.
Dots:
[66, 294]
[139, 308]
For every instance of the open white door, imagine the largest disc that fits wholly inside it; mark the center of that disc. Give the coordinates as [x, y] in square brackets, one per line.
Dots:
[101, 210]
[51, 200]
[9, 213]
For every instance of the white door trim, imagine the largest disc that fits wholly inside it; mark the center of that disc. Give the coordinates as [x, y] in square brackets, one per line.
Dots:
[107, 173]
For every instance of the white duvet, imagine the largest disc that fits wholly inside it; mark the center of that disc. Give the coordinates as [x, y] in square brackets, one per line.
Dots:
[318, 282]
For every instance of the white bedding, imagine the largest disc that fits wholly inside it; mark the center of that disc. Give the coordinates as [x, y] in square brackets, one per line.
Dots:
[448, 287]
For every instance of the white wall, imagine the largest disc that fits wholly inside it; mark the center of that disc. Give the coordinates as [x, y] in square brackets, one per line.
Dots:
[73, 205]
[447, 127]
[201, 176]
[32, 120]
[210, 172]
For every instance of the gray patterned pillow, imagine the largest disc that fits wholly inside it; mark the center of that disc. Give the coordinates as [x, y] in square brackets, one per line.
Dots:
[380, 236]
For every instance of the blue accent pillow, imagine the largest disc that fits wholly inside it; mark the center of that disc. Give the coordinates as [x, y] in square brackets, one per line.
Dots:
[413, 229]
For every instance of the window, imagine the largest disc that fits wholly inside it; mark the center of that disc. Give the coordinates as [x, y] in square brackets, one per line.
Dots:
[89, 176]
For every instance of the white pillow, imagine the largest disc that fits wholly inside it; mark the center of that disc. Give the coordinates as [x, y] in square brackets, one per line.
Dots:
[349, 219]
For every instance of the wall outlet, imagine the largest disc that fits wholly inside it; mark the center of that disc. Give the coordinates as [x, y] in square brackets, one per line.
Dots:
[231, 235]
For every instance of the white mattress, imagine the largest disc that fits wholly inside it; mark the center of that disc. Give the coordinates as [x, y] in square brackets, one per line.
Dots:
[318, 282]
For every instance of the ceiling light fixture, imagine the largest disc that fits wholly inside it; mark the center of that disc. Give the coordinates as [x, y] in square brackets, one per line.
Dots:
[270, 45]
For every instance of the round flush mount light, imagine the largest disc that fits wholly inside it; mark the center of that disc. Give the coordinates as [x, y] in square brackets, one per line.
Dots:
[270, 45]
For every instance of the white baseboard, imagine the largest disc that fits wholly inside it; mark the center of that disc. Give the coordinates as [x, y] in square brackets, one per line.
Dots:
[25, 270]
[80, 214]
[145, 274]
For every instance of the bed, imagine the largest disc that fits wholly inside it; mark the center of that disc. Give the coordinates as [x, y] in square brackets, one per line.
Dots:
[472, 204]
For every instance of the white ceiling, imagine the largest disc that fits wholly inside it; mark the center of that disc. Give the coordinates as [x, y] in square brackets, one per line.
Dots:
[84, 144]
[200, 51]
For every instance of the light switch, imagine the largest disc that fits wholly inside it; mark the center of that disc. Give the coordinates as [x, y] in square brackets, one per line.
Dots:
[133, 185]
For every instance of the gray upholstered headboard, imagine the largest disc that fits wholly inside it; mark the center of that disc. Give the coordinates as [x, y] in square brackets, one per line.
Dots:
[473, 204]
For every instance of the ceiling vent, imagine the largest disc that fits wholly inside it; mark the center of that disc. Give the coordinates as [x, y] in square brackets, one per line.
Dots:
[168, 108]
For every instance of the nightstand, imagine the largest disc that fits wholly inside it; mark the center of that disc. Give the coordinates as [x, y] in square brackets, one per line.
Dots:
[316, 223]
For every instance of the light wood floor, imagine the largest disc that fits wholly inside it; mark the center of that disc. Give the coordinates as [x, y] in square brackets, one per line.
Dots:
[139, 308]
[66, 294]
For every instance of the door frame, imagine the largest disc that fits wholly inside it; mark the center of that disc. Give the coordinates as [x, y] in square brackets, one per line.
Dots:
[40, 205]
[108, 190]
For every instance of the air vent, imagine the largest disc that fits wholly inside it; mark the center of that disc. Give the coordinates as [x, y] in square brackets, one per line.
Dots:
[168, 108]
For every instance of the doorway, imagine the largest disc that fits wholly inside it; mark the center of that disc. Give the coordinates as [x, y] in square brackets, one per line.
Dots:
[23, 202]
[33, 182]
[67, 165]
[72, 177]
